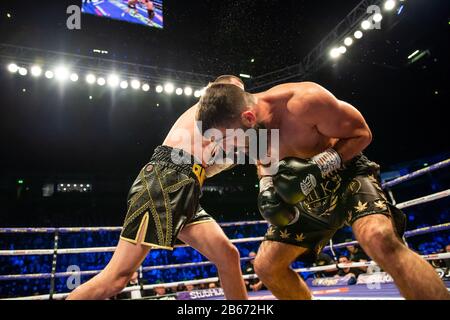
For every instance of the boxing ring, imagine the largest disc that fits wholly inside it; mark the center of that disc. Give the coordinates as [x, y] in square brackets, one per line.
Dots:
[381, 291]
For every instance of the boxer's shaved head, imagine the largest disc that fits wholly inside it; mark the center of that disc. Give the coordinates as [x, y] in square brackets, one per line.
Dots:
[230, 79]
[222, 105]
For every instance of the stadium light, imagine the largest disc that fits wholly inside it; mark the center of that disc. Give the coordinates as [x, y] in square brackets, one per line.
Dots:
[124, 84]
[145, 87]
[113, 80]
[135, 84]
[169, 88]
[101, 81]
[188, 91]
[49, 74]
[13, 68]
[342, 49]
[358, 34]
[90, 78]
[61, 73]
[377, 17]
[389, 5]
[179, 91]
[197, 94]
[74, 77]
[348, 41]
[36, 71]
[159, 88]
[23, 71]
[366, 25]
[335, 53]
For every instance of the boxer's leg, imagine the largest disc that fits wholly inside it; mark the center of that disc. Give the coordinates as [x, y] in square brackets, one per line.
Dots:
[210, 240]
[273, 267]
[114, 278]
[415, 277]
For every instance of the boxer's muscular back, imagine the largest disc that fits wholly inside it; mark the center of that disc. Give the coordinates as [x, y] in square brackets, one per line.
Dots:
[299, 137]
[186, 136]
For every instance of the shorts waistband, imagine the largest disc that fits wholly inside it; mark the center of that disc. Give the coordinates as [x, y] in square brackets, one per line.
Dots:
[180, 161]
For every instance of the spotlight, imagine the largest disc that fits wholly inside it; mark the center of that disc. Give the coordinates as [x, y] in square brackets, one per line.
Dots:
[36, 71]
[90, 78]
[188, 91]
[377, 17]
[348, 41]
[366, 25]
[145, 87]
[124, 84]
[179, 91]
[101, 82]
[159, 89]
[389, 5]
[49, 74]
[358, 34]
[342, 49]
[169, 88]
[335, 53]
[23, 71]
[197, 94]
[74, 77]
[13, 68]
[61, 73]
[113, 80]
[135, 84]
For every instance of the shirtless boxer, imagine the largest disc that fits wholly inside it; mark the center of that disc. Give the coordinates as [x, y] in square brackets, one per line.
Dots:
[323, 182]
[150, 9]
[163, 205]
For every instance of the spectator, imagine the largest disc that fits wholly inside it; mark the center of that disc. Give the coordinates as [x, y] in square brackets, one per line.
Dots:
[350, 273]
[324, 259]
[358, 255]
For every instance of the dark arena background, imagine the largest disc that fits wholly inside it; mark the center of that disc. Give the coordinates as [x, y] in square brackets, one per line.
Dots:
[82, 110]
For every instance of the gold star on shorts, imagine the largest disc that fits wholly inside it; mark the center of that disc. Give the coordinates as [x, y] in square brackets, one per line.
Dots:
[361, 207]
[380, 204]
[300, 238]
[284, 234]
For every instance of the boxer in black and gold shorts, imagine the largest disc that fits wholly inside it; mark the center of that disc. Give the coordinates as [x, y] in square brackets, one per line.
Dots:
[348, 195]
[165, 194]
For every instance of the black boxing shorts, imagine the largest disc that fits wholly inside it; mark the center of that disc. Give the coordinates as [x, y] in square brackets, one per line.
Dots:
[350, 194]
[164, 199]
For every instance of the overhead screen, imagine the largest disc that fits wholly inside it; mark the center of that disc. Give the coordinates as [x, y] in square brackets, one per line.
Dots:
[144, 12]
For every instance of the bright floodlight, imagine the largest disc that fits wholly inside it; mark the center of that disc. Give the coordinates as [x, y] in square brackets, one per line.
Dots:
[348, 41]
[197, 93]
[36, 71]
[13, 68]
[159, 89]
[23, 71]
[365, 25]
[335, 53]
[188, 91]
[49, 74]
[179, 91]
[101, 82]
[90, 78]
[389, 5]
[358, 34]
[342, 49]
[74, 77]
[169, 88]
[124, 84]
[377, 17]
[135, 84]
[61, 73]
[113, 80]
[145, 87]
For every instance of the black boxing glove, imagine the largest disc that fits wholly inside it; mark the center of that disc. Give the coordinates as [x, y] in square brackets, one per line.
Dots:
[273, 209]
[297, 178]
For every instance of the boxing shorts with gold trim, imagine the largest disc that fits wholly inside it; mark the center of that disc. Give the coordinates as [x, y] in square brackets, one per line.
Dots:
[350, 194]
[164, 199]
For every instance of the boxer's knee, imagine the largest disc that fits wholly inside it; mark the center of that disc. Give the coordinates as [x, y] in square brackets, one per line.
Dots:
[227, 255]
[378, 238]
[267, 270]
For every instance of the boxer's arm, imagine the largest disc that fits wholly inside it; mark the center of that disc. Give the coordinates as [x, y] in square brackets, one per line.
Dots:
[332, 118]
